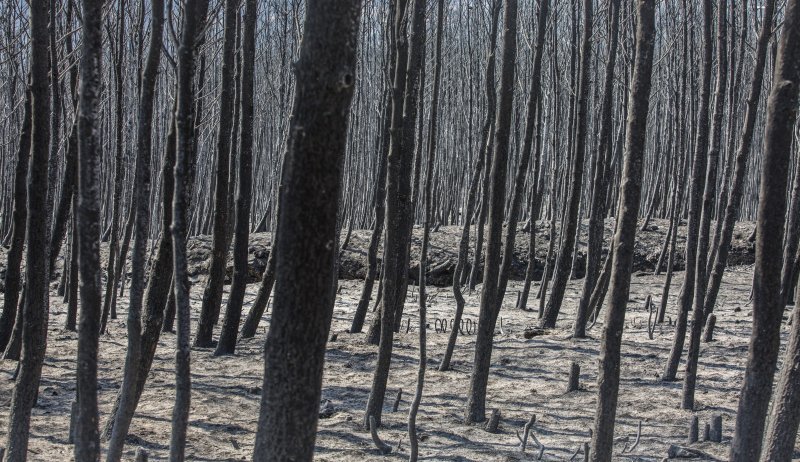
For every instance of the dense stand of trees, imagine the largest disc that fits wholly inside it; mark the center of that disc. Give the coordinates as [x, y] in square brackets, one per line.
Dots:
[133, 126]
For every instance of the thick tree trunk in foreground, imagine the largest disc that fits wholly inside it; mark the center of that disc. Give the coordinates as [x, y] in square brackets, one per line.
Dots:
[87, 433]
[36, 294]
[625, 236]
[768, 302]
[295, 347]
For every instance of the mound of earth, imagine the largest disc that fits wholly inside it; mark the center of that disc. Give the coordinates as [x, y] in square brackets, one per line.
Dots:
[443, 251]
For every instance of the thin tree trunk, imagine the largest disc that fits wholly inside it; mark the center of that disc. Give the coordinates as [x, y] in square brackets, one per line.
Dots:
[233, 312]
[212, 294]
[490, 298]
[194, 17]
[625, 235]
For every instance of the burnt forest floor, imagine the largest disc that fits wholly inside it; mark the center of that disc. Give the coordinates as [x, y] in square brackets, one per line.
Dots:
[528, 376]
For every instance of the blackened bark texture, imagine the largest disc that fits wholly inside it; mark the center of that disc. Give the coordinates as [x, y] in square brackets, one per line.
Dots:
[695, 200]
[742, 154]
[569, 223]
[212, 294]
[463, 246]
[427, 198]
[295, 346]
[487, 141]
[625, 235]
[19, 216]
[110, 308]
[522, 168]
[399, 213]
[489, 308]
[792, 238]
[768, 301]
[159, 288]
[379, 199]
[141, 204]
[87, 433]
[36, 294]
[233, 312]
[62, 212]
[709, 193]
[597, 208]
[194, 17]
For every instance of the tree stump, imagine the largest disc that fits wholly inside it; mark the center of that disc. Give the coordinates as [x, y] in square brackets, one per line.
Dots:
[715, 434]
[494, 421]
[694, 429]
[141, 455]
[709, 332]
[72, 420]
[574, 377]
[399, 397]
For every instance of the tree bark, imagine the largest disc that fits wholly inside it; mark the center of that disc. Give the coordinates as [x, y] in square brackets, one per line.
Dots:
[295, 346]
[36, 294]
[625, 236]
[768, 302]
[490, 298]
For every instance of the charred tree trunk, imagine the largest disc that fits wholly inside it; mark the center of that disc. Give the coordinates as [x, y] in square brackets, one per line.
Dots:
[36, 294]
[597, 209]
[768, 302]
[194, 17]
[624, 238]
[87, 433]
[490, 298]
[233, 312]
[212, 294]
[295, 346]
[12, 286]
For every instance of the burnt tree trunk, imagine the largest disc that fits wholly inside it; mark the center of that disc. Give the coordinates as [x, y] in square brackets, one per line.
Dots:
[625, 235]
[295, 346]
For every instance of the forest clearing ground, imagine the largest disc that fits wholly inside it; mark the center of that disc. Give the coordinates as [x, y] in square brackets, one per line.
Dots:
[528, 376]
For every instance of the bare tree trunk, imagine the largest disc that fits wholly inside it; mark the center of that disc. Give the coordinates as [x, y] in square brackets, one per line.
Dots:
[709, 193]
[87, 433]
[490, 298]
[398, 191]
[194, 17]
[233, 312]
[12, 285]
[570, 223]
[768, 302]
[128, 397]
[598, 210]
[734, 203]
[295, 347]
[212, 294]
[427, 199]
[36, 294]
[625, 236]
[695, 201]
